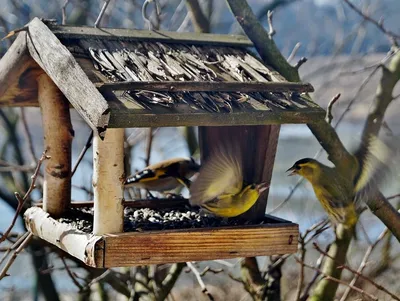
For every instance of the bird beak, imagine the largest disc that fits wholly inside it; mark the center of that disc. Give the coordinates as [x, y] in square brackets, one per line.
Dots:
[292, 170]
[262, 187]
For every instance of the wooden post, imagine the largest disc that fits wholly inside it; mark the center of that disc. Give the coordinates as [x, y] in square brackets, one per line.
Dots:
[259, 147]
[58, 134]
[108, 175]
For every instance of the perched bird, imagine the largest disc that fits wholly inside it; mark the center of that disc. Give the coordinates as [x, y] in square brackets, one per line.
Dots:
[219, 187]
[342, 196]
[165, 175]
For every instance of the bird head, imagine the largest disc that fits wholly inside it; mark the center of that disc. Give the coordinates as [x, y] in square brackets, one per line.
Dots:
[259, 188]
[304, 167]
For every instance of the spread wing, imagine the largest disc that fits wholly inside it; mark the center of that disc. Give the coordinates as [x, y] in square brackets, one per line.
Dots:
[377, 161]
[220, 175]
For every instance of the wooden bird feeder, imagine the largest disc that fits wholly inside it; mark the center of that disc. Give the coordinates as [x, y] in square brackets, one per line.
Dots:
[116, 79]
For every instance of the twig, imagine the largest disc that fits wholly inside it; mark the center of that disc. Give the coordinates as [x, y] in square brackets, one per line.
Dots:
[294, 51]
[300, 63]
[326, 276]
[71, 275]
[208, 269]
[393, 197]
[378, 24]
[144, 14]
[83, 152]
[329, 116]
[23, 244]
[200, 281]
[28, 136]
[271, 31]
[306, 293]
[101, 14]
[13, 247]
[22, 200]
[378, 286]
[64, 12]
[148, 146]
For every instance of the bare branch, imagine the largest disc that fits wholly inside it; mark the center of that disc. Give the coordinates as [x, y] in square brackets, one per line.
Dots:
[200, 281]
[294, 52]
[300, 63]
[271, 31]
[22, 246]
[330, 278]
[70, 274]
[378, 24]
[329, 115]
[88, 144]
[28, 135]
[378, 286]
[101, 14]
[64, 12]
[22, 200]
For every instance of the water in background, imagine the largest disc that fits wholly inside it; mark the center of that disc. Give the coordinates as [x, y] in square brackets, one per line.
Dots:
[295, 142]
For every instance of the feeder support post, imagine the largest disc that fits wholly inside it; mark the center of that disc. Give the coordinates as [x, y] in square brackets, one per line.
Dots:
[58, 134]
[108, 176]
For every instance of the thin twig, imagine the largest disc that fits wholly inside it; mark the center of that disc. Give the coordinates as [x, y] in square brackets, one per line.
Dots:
[22, 200]
[28, 136]
[271, 31]
[329, 116]
[101, 14]
[306, 293]
[357, 273]
[328, 277]
[24, 243]
[71, 275]
[148, 146]
[378, 24]
[300, 63]
[294, 52]
[208, 269]
[13, 247]
[200, 281]
[88, 144]
[64, 12]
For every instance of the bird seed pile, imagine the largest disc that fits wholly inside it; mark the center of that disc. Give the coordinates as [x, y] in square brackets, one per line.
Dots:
[146, 219]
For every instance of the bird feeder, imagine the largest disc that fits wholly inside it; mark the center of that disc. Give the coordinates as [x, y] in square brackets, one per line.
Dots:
[116, 79]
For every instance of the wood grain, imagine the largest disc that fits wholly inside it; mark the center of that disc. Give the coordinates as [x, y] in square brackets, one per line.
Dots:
[63, 69]
[84, 246]
[58, 135]
[158, 247]
[203, 86]
[72, 32]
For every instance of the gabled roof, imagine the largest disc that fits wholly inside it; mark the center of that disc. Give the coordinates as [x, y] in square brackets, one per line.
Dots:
[131, 78]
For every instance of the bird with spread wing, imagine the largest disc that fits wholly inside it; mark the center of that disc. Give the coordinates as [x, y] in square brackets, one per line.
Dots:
[342, 196]
[219, 187]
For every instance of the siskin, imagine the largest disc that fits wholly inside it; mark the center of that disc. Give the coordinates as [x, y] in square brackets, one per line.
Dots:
[341, 197]
[165, 175]
[219, 187]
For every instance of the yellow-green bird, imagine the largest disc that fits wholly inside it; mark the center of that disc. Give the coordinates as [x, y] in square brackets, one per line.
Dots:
[165, 175]
[219, 187]
[342, 197]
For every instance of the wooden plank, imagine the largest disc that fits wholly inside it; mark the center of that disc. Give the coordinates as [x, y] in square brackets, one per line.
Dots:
[73, 32]
[86, 247]
[63, 69]
[132, 118]
[156, 247]
[191, 86]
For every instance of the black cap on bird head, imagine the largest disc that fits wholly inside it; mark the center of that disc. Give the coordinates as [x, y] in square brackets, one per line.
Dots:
[193, 165]
[297, 166]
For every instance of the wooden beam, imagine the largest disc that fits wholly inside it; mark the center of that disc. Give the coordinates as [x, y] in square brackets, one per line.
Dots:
[84, 246]
[72, 32]
[58, 134]
[108, 176]
[131, 118]
[63, 69]
[191, 86]
[157, 247]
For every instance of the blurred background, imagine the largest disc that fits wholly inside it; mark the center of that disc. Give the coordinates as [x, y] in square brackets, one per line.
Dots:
[344, 53]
